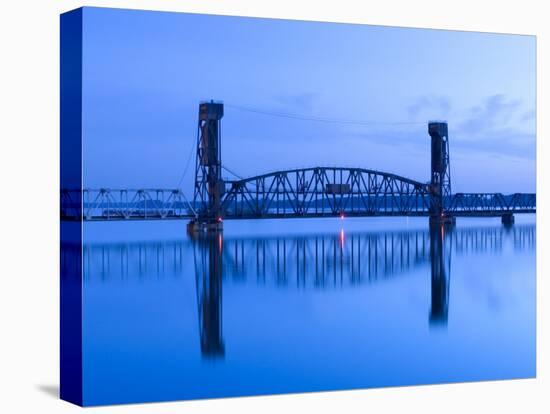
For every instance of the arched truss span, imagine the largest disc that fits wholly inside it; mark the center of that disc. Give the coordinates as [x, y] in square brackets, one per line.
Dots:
[325, 191]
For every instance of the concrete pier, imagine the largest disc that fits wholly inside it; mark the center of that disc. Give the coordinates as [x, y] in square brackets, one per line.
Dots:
[507, 219]
[442, 220]
[195, 227]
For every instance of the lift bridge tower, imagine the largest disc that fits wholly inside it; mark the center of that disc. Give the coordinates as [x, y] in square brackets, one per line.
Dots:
[209, 186]
[440, 183]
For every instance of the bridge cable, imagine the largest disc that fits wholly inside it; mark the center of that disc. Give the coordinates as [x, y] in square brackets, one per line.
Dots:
[186, 165]
[319, 119]
[183, 176]
[237, 175]
[232, 172]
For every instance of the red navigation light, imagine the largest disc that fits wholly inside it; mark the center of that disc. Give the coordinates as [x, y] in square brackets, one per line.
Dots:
[219, 220]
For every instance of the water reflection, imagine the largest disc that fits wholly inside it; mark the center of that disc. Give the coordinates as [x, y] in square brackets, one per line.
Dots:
[323, 261]
[440, 259]
[208, 274]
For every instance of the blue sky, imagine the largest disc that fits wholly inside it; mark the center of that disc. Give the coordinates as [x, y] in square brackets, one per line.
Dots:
[145, 73]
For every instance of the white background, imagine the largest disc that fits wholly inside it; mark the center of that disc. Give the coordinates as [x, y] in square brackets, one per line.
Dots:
[29, 174]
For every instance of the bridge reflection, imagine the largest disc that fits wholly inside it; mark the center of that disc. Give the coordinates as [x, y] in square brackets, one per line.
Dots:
[208, 274]
[324, 261]
[440, 260]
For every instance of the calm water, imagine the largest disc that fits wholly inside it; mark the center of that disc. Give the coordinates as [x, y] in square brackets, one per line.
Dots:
[304, 305]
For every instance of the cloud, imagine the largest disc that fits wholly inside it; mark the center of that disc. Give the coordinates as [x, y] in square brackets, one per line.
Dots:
[430, 105]
[528, 115]
[497, 126]
[494, 112]
[504, 141]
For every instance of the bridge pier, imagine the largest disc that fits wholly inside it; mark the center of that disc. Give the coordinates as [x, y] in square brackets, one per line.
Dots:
[195, 227]
[443, 219]
[507, 219]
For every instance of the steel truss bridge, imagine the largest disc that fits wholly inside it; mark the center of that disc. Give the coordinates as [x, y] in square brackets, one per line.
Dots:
[296, 193]
[305, 192]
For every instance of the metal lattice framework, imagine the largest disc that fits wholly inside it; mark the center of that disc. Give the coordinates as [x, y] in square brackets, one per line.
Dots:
[305, 192]
[325, 191]
[491, 204]
[124, 204]
[296, 193]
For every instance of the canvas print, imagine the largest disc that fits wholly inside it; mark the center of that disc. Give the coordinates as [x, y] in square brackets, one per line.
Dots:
[260, 206]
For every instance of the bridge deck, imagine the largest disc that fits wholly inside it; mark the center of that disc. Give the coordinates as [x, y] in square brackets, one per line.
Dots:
[162, 204]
